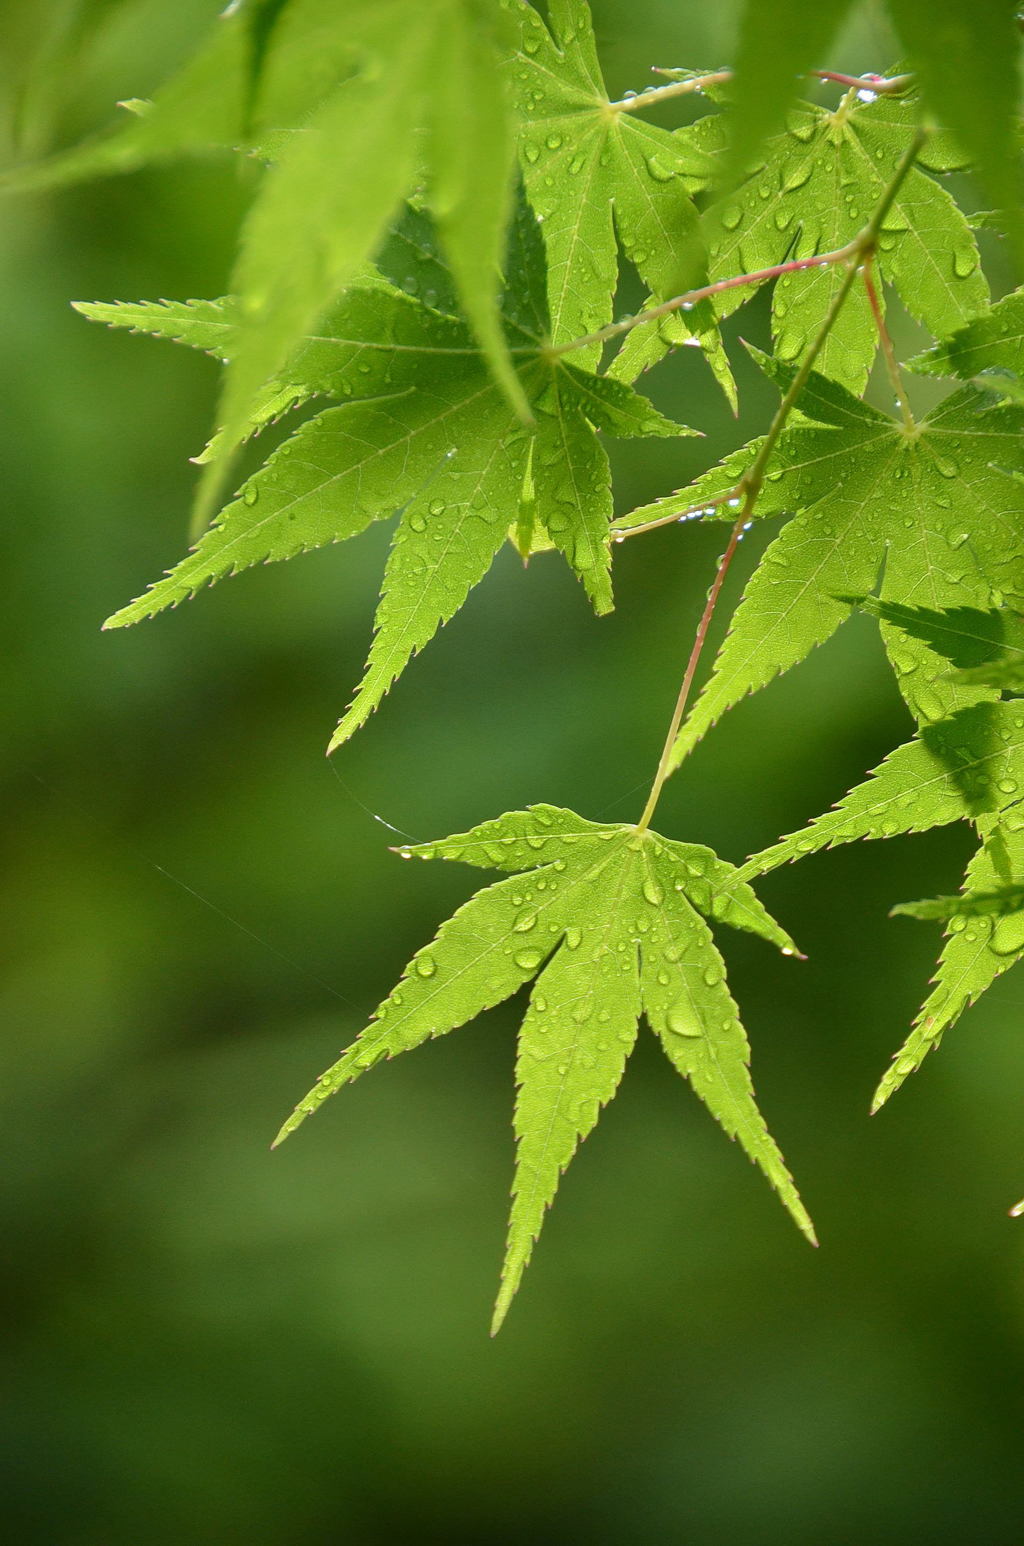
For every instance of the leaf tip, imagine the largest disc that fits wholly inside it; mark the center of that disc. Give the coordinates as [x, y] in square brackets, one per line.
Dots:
[880, 1097]
[284, 1132]
[339, 737]
[502, 1304]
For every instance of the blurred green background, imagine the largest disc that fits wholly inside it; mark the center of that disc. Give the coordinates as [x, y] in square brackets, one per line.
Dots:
[207, 1343]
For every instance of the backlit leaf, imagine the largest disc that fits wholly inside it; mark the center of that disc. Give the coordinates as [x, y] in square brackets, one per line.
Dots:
[812, 190]
[423, 431]
[607, 921]
[597, 173]
[931, 517]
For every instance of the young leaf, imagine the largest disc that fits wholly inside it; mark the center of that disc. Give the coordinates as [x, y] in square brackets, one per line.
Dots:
[969, 904]
[399, 80]
[931, 512]
[992, 341]
[424, 431]
[964, 767]
[812, 191]
[970, 766]
[594, 171]
[607, 920]
[984, 937]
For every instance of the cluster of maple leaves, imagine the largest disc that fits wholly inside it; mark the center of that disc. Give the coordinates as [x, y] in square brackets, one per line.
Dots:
[474, 412]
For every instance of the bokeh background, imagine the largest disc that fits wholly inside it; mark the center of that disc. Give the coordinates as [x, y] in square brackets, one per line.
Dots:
[208, 1343]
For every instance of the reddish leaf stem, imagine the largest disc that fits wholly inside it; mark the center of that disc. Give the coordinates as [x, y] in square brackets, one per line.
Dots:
[687, 301]
[888, 352]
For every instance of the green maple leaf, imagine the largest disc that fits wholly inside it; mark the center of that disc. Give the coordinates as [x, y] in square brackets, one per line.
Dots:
[812, 191]
[424, 430]
[984, 938]
[597, 175]
[970, 766]
[351, 116]
[426, 87]
[931, 513]
[968, 61]
[608, 922]
[965, 767]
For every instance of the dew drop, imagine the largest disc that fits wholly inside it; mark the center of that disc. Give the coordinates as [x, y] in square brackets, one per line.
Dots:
[426, 966]
[680, 1025]
[528, 960]
[658, 170]
[965, 261]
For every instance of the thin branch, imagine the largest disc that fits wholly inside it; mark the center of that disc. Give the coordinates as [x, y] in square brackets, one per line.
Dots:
[687, 301]
[689, 514]
[664, 766]
[674, 89]
[880, 85]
